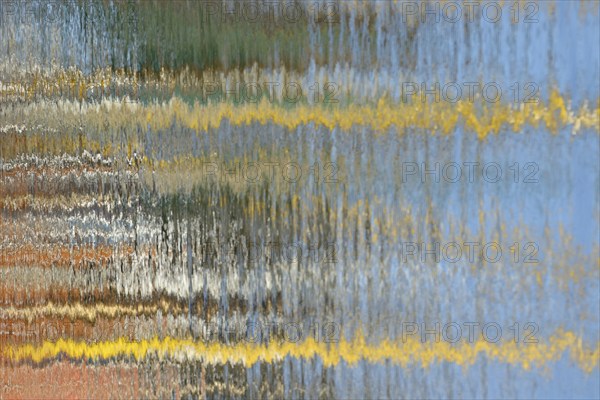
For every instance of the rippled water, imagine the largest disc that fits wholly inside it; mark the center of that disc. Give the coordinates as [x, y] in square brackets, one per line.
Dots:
[174, 244]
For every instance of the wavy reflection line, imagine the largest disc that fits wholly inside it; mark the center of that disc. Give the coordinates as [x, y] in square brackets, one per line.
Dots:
[412, 351]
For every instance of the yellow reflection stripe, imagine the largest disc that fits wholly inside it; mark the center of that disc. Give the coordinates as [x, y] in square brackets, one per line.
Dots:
[412, 351]
[443, 117]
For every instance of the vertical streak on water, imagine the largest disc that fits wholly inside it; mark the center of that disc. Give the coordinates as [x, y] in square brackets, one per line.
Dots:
[190, 272]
